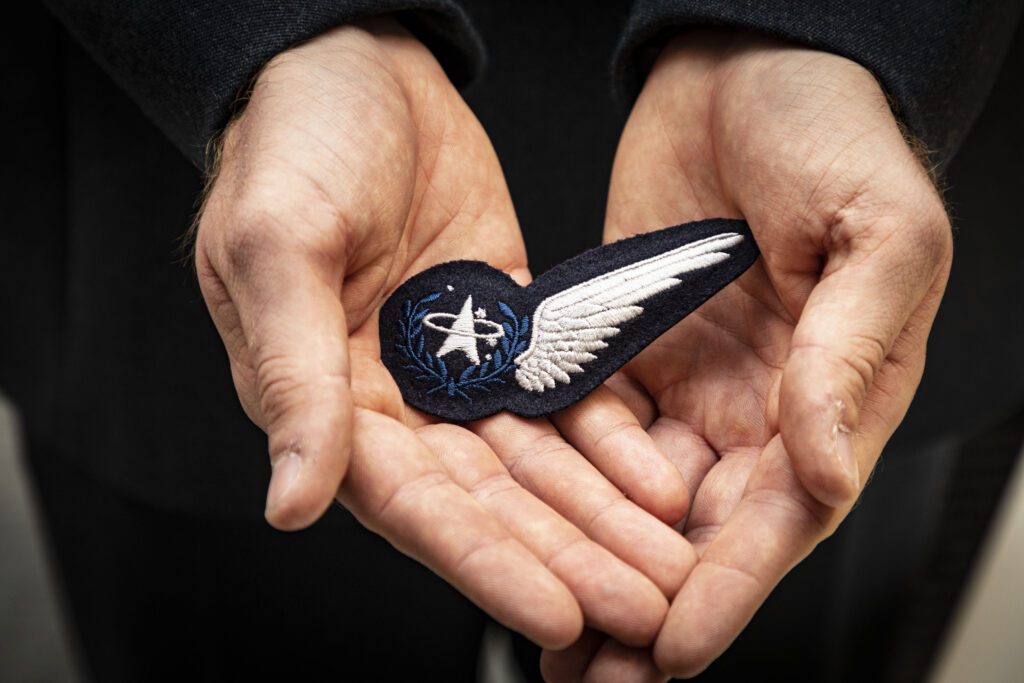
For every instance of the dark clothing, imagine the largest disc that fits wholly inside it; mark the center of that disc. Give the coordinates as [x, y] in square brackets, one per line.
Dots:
[123, 384]
[936, 59]
[167, 596]
[186, 62]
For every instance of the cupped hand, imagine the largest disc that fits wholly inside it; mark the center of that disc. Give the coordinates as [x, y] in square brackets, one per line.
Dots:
[776, 397]
[354, 165]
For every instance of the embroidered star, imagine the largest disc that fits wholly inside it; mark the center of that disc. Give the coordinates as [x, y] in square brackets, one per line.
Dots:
[462, 336]
[481, 313]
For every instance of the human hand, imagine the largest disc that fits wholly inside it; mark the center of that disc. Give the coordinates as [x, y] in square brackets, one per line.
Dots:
[775, 398]
[355, 165]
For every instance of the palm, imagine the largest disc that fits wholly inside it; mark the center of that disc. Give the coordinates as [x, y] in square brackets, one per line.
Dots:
[354, 166]
[712, 380]
[459, 207]
[812, 355]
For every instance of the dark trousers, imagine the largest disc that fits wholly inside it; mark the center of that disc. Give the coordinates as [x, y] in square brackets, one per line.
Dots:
[157, 595]
[161, 595]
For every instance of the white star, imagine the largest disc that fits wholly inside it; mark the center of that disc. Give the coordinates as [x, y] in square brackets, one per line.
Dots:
[449, 287]
[487, 357]
[461, 337]
[481, 313]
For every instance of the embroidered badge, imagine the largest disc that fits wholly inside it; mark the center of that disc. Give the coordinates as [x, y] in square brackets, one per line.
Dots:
[464, 341]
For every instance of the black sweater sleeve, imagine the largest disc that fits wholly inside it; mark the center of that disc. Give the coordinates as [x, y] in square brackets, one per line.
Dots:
[936, 59]
[185, 61]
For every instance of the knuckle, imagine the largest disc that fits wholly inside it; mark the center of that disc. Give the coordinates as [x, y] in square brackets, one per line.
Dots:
[485, 550]
[493, 486]
[568, 553]
[856, 362]
[247, 244]
[856, 225]
[866, 354]
[525, 465]
[409, 494]
[280, 383]
[601, 512]
[915, 223]
[933, 233]
[621, 429]
[274, 216]
[287, 382]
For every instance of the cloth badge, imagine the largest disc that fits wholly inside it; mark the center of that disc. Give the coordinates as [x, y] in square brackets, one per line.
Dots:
[464, 341]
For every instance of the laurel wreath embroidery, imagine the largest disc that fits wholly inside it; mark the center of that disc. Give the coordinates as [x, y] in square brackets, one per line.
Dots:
[474, 377]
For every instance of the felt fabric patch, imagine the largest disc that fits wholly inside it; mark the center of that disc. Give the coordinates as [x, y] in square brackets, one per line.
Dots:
[464, 341]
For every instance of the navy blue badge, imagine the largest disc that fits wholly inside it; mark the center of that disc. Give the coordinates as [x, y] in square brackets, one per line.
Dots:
[464, 341]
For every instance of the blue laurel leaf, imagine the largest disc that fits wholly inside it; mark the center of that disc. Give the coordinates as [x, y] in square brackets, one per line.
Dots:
[497, 359]
[451, 388]
[421, 315]
[443, 368]
[505, 310]
[416, 331]
[406, 309]
[483, 368]
[506, 346]
[428, 298]
[508, 329]
[524, 324]
[401, 326]
[419, 347]
[520, 347]
[430, 361]
[465, 373]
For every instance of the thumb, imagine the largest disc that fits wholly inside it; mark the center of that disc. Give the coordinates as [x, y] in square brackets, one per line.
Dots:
[877, 273]
[282, 321]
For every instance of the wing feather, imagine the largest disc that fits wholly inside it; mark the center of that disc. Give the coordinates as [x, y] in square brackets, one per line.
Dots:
[574, 323]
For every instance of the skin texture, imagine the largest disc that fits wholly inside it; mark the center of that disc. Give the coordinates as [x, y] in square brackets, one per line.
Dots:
[776, 398]
[355, 165]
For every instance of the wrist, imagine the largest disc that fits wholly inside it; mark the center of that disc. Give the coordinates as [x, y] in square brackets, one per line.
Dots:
[736, 61]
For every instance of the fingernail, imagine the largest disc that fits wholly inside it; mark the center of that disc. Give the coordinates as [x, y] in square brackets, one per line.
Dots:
[286, 470]
[847, 458]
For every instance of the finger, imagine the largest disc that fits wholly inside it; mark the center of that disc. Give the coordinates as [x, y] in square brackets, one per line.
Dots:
[596, 659]
[284, 327]
[690, 453]
[718, 495]
[876, 276]
[635, 397]
[774, 526]
[615, 598]
[538, 458]
[617, 663]
[607, 434]
[569, 665]
[396, 488]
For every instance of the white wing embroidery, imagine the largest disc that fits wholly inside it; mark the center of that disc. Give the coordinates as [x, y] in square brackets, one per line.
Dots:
[570, 326]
